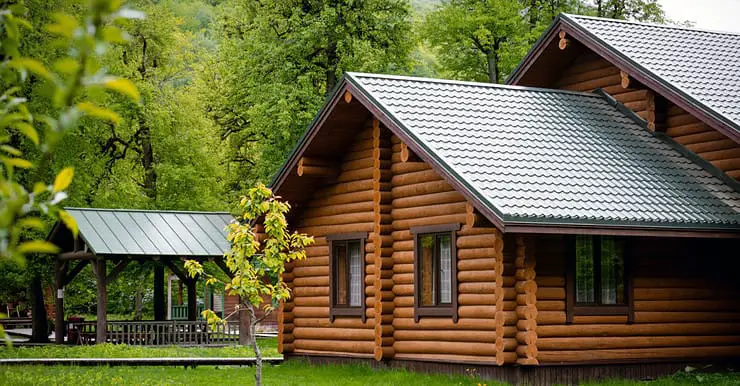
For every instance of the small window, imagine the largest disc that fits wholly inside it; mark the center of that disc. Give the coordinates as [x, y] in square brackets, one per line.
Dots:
[598, 281]
[435, 271]
[347, 272]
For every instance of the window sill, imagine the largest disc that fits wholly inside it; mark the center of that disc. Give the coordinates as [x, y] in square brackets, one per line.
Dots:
[601, 310]
[444, 311]
[347, 311]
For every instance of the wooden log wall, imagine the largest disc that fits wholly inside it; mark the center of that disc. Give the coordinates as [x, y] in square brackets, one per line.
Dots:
[703, 140]
[589, 71]
[526, 303]
[684, 307]
[343, 205]
[420, 197]
[383, 242]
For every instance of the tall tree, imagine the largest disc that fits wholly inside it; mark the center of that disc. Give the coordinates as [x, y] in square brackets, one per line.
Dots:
[477, 40]
[279, 59]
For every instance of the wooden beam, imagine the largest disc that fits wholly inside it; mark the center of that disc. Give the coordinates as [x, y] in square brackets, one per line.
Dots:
[408, 155]
[192, 300]
[177, 271]
[77, 256]
[625, 79]
[159, 310]
[74, 272]
[116, 271]
[59, 275]
[316, 167]
[474, 219]
[347, 96]
[102, 317]
[564, 43]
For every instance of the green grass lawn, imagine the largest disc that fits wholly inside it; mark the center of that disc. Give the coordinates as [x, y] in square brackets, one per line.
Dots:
[267, 345]
[293, 372]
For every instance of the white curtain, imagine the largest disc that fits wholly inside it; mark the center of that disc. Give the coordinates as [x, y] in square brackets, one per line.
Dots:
[356, 279]
[445, 270]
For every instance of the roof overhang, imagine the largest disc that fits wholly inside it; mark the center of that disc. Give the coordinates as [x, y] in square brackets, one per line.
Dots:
[674, 94]
[506, 224]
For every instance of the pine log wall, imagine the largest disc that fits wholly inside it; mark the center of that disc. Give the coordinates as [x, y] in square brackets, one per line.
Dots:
[345, 206]
[684, 307]
[589, 71]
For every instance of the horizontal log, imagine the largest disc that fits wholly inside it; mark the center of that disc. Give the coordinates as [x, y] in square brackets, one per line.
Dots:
[549, 281]
[349, 323]
[550, 293]
[429, 211]
[453, 348]
[399, 167]
[476, 276]
[578, 77]
[644, 353]
[359, 347]
[333, 210]
[428, 199]
[313, 301]
[638, 329]
[344, 198]
[478, 312]
[686, 305]
[448, 324]
[691, 128]
[711, 146]
[402, 267]
[527, 351]
[680, 120]
[722, 154]
[414, 178]
[594, 343]
[477, 241]
[706, 136]
[310, 312]
[421, 189]
[677, 317]
[476, 299]
[591, 84]
[509, 357]
[365, 334]
[445, 335]
[432, 220]
[310, 271]
[332, 229]
[317, 281]
[669, 282]
[477, 253]
[477, 288]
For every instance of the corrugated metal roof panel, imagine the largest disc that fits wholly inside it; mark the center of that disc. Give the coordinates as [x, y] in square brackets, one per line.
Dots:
[554, 156]
[152, 233]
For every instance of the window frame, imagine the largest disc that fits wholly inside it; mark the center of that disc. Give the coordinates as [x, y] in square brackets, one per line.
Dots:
[447, 310]
[597, 309]
[346, 310]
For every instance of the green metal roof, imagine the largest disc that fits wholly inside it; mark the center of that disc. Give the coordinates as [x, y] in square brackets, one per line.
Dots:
[555, 157]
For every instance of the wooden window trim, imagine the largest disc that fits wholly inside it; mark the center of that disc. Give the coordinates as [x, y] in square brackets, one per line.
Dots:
[335, 310]
[572, 308]
[435, 311]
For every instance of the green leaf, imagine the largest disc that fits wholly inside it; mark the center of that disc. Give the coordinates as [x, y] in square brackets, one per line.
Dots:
[17, 162]
[123, 86]
[65, 25]
[98, 112]
[11, 150]
[27, 130]
[32, 223]
[66, 66]
[35, 67]
[38, 246]
[69, 222]
[39, 188]
[63, 179]
[113, 34]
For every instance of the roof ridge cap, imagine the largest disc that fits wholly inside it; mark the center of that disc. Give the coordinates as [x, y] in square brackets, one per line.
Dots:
[354, 75]
[649, 24]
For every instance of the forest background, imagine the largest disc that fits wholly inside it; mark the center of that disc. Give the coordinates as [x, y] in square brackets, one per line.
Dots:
[228, 86]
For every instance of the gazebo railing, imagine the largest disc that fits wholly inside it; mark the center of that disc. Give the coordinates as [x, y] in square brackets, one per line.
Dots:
[157, 333]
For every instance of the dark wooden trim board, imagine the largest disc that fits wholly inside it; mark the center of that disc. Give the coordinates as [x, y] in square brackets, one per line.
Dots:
[438, 310]
[335, 310]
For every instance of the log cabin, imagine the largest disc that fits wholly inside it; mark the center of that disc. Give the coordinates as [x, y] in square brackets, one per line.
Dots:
[581, 222]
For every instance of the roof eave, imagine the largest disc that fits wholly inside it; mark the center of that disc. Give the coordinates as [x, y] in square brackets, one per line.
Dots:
[613, 228]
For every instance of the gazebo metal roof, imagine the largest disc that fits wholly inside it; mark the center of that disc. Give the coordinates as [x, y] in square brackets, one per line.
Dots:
[152, 233]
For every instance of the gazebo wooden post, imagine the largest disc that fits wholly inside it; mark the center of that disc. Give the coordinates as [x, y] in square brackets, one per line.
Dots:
[59, 301]
[192, 299]
[100, 273]
[159, 311]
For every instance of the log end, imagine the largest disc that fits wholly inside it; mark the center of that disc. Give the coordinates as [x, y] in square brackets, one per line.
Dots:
[563, 44]
[347, 96]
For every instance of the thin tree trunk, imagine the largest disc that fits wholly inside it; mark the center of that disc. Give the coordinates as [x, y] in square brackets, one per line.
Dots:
[253, 339]
[138, 313]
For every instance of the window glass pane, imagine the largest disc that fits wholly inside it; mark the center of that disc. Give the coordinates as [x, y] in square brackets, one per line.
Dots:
[445, 269]
[585, 270]
[612, 271]
[355, 275]
[427, 266]
[342, 271]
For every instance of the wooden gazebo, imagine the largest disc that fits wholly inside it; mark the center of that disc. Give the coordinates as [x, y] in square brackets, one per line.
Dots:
[121, 236]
